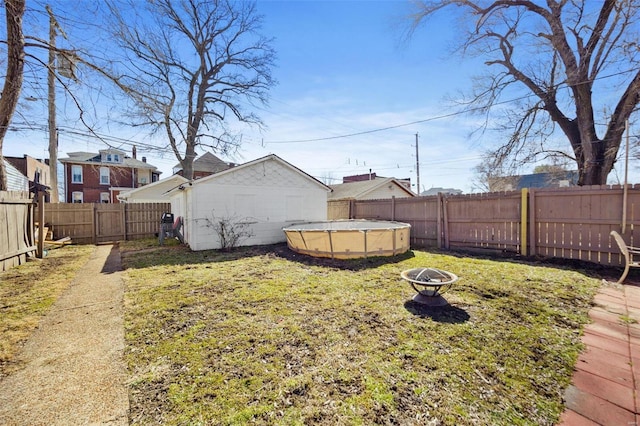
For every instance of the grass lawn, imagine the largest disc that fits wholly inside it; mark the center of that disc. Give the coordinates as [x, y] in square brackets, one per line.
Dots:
[28, 291]
[262, 335]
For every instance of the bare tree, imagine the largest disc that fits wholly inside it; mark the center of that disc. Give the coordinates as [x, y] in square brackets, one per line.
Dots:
[191, 68]
[578, 63]
[14, 12]
[43, 68]
[491, 176]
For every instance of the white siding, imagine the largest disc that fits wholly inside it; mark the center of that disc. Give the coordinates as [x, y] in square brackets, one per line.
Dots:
[268, 195]
[16, 181]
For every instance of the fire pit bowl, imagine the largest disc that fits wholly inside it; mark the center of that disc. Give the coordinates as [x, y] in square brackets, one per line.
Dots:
[429, 283]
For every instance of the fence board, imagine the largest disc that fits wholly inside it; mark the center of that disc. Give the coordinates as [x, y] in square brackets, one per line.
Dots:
[97, 223]
[16, 228]
[338, 209]
[142, 220]
[571, 223]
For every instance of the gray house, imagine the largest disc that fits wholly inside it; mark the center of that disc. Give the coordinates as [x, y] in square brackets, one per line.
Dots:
[560, 179]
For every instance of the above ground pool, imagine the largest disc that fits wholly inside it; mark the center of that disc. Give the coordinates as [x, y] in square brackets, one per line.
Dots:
[349, 239]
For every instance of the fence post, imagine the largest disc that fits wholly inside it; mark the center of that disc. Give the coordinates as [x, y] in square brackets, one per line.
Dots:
[445, 218]
[124, 221]
[41, 233]
[94, 223]
[532, 222]
[523, 221]
[393, 207]
[438, 219]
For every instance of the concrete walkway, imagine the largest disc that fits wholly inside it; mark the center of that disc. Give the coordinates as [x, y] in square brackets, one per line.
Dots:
[606, 378]
[71, 369]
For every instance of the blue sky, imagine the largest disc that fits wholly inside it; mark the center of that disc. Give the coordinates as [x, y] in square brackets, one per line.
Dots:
[345, 68]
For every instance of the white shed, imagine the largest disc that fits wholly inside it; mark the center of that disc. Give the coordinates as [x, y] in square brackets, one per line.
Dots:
[261, 196]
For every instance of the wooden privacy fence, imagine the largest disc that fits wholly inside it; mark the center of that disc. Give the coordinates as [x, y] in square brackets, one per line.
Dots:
[16, 228]
[570, 223]
[98, 223]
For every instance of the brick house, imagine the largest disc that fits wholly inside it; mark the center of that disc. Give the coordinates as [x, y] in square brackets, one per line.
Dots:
[99, 178]
[36, 171]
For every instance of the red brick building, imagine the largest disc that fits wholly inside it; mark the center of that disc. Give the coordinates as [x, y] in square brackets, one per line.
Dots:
[99, 178]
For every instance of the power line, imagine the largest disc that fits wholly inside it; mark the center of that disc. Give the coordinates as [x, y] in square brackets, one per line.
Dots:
[434, 118]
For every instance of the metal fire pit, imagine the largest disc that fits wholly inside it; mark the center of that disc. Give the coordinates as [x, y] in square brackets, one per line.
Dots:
[429, 283]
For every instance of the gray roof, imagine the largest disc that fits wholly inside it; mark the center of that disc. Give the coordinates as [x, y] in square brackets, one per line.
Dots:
[207, 162]
[545, 180]
[92, 158]
[436, 191]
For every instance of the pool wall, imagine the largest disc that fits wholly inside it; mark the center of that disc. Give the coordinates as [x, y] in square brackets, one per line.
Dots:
[349, 239]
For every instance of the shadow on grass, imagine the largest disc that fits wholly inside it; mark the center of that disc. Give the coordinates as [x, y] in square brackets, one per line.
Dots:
[344, 264]
[587, 268]
[181, 255]
[446, 314]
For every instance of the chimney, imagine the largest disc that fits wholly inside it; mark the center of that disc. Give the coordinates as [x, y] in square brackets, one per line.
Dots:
[133, 152]
[144, 159]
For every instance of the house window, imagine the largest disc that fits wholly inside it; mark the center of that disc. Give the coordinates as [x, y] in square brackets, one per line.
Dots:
[76, 174]
[76, 197]
[116, 158]
[104, 176]
[109, 160]
[104, 197]
[143, 180]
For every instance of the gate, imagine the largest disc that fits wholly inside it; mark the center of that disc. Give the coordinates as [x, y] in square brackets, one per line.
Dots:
[110, 223]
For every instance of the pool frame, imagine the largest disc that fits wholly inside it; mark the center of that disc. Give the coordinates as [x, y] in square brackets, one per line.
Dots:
[349, 239]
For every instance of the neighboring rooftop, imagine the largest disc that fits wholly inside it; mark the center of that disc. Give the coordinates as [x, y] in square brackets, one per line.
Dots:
[82, 157]
[436, 191]
[559, 179]
[206, 164]
[359, 190]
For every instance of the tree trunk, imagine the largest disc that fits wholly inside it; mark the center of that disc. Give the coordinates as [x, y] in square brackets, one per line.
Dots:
[14, 10]
[187, 163]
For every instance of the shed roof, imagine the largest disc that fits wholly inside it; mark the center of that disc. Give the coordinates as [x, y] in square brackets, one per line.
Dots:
[357, 190]
[161, 187]
[270, 157]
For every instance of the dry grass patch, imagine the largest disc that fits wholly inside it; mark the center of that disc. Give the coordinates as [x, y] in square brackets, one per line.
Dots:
[28, 291]
[262, 335]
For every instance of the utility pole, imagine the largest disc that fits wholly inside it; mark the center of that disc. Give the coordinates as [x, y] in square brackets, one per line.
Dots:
[417, 166]
[51, 102]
